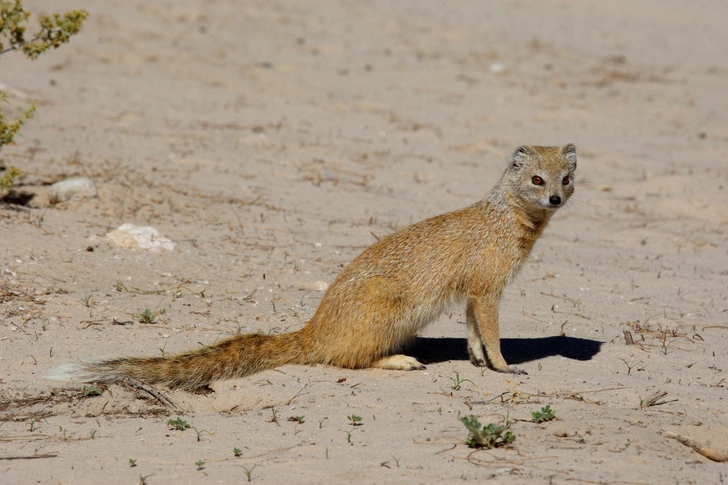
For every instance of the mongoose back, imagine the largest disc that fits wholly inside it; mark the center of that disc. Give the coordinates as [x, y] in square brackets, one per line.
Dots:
[396, 287]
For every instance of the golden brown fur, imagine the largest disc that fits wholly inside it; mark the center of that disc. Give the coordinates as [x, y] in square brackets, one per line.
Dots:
[379, 302]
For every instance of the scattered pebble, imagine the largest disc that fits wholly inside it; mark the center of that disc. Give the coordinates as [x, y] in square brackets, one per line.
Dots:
[497, 68]
[139, 237]
[72, 189]
[315, 285]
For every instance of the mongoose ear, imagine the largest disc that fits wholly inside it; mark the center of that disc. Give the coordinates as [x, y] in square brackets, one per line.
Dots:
[518, 157]
[569, 153]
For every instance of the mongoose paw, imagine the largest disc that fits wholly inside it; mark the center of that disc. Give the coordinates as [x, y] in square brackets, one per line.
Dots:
[398, 362]
[512, 369]
[477, 362]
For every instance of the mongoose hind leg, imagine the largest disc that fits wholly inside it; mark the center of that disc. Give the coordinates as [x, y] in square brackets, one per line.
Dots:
[365, 326]
[398, 362]
[482, 320]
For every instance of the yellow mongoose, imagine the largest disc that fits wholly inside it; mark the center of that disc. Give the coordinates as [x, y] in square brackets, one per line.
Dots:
[379, 302]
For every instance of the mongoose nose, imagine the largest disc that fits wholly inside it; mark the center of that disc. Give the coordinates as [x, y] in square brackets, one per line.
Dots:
[555, 200]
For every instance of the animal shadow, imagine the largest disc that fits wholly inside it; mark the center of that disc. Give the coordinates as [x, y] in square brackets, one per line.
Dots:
[430, 350]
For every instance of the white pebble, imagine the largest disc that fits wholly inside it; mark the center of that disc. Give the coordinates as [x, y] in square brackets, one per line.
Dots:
[72, 189]
[139, 237]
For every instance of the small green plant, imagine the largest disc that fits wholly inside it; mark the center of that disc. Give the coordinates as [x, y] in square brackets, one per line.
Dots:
[161, 349]
[93, 434]
[143, 479]
[132, 462]
[274, 415]
[237, 452]
[457, 383]
[355, 420]
[348, 439]
[629, 364]
[200, 464]
[545, 414]
[199, 432]
[31, 424]
[489, 436]
[179, 424]
[148, 316]
[665, 343]
[298, 419]
[249, 472]
[90, 391]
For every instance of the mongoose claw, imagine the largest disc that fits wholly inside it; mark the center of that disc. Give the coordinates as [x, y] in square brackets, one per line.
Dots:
[512, 369]
[410, 363]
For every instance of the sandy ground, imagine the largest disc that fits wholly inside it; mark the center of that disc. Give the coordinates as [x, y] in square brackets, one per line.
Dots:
[273, 141]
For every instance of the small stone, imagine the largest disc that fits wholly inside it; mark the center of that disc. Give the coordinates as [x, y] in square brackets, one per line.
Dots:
[314, 285]
[139, 237]
[72, 189]
[497, 67]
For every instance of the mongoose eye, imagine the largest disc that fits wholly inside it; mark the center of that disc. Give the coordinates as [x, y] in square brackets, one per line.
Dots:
[565, 181]
[537, 180]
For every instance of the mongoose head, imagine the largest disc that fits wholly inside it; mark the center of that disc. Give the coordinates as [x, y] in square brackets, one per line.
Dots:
[542, 177]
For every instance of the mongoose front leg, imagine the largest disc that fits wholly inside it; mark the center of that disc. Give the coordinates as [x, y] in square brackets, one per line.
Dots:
[475, 340]
[482, 319]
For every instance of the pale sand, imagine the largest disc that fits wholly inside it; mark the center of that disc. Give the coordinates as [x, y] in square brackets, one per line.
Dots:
[273, 141]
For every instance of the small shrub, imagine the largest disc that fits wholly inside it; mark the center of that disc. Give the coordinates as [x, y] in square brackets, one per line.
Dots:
[545, 414]
[148, 316]
[489, 436]
[355, 420]
[179, 424]
[457, 382]
[90, 391]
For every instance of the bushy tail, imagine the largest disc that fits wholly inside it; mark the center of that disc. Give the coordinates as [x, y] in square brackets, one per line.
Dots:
[236, 357]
